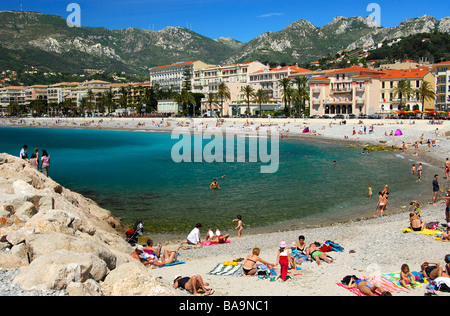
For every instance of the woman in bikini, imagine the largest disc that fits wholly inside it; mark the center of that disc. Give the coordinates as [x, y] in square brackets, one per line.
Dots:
[365, 287]
[431, 272]
[249, 267]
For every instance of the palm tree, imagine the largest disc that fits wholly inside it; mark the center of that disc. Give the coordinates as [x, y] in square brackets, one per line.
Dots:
[123, 101]
[249, 92]
[302, 92]
[185, 98]
[261, 97]
[90, 96]
[212, 97]
[403, 91]
[285, 83]
[425, 92]
[223, 94]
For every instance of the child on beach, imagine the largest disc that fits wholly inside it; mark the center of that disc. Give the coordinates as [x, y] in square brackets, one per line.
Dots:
[239, 225]
[417, 211]
[370, 190]
[406, 277]
[413, 169]
[34, 161]
[283, 258]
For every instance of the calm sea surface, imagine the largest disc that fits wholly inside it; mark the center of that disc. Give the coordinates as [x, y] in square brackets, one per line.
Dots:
[133, 175]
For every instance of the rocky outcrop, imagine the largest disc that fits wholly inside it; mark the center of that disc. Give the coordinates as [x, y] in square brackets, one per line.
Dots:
[61, 240]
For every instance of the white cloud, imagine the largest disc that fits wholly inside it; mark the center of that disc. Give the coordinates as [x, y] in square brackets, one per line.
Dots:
[268, 15]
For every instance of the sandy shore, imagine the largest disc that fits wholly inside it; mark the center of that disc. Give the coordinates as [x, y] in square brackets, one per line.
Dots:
[376, 242]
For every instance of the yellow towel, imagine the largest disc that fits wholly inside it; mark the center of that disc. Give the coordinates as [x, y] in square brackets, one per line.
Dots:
[423, 232]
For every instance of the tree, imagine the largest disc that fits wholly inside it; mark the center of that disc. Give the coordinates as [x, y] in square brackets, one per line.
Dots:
[285, 83]
[403, 91]
[261, 97]
[212, 98]
[223, 94]
[425, 92]
[249, 92]
[302, 93]
[185, 98]
[187, 75]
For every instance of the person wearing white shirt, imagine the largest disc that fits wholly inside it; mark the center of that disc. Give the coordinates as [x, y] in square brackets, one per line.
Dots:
[194, 236]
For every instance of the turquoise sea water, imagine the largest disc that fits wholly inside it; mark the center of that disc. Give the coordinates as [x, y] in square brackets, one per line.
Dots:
[133, 175]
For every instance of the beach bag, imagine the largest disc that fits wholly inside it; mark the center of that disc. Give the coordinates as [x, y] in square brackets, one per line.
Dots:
[334, 246]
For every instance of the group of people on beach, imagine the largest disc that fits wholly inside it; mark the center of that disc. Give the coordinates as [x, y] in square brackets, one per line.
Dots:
[43, 165]
[288, 257]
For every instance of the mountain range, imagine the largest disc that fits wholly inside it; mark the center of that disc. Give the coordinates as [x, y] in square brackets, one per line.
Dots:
[45, 41]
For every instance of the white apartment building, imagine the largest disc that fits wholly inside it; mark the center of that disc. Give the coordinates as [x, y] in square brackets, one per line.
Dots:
[59, 92]
[9, 95]
[171, 77]
[268, 79]
[208, 79]
[442, 73]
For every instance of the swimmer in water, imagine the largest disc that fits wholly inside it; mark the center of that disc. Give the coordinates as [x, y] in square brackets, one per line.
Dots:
[214, 185]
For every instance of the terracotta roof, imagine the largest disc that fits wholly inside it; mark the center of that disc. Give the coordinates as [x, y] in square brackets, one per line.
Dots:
[14, 87]
[357, 69]
[321, 78]
[176, 64]
[443, 63]
[406, 73]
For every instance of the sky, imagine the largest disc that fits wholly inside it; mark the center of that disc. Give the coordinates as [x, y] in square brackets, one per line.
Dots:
[242, 20]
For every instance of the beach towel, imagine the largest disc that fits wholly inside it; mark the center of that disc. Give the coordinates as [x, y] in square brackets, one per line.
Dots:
[222, 270]
[395, 278]
[172, 264]
[385, 284]
[209, 243]
[423, 232]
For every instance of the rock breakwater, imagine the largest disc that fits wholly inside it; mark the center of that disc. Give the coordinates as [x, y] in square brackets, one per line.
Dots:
[59, 240]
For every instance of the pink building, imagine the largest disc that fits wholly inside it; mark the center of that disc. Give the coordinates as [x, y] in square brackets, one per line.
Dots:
[353, 90]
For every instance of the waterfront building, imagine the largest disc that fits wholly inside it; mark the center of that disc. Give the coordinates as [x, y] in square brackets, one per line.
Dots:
[59, 92]
[390, 100]
[442, 73]
[35, 92]
[171, 77]
[353, 90]
[11, 94]
[268, 78]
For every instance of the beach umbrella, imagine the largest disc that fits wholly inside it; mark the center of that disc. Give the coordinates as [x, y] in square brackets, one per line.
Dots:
[402, 112]
[417, 111]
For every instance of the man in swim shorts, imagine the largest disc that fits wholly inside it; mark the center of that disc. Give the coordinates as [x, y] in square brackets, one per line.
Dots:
[214, 185]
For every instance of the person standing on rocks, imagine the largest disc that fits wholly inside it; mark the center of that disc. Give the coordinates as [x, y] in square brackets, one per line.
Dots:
[45, 162]
[23, 153]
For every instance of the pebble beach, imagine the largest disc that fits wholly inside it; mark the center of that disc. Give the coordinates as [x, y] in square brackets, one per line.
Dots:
[371, 246]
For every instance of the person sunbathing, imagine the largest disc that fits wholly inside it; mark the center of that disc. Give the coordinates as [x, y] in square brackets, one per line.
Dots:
[313, 252]
[432, 271]
[365, 287]
[415, 223]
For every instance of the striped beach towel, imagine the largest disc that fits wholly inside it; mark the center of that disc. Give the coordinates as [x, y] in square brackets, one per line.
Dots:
[222, 270]
[395, 278]
[385, 284]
